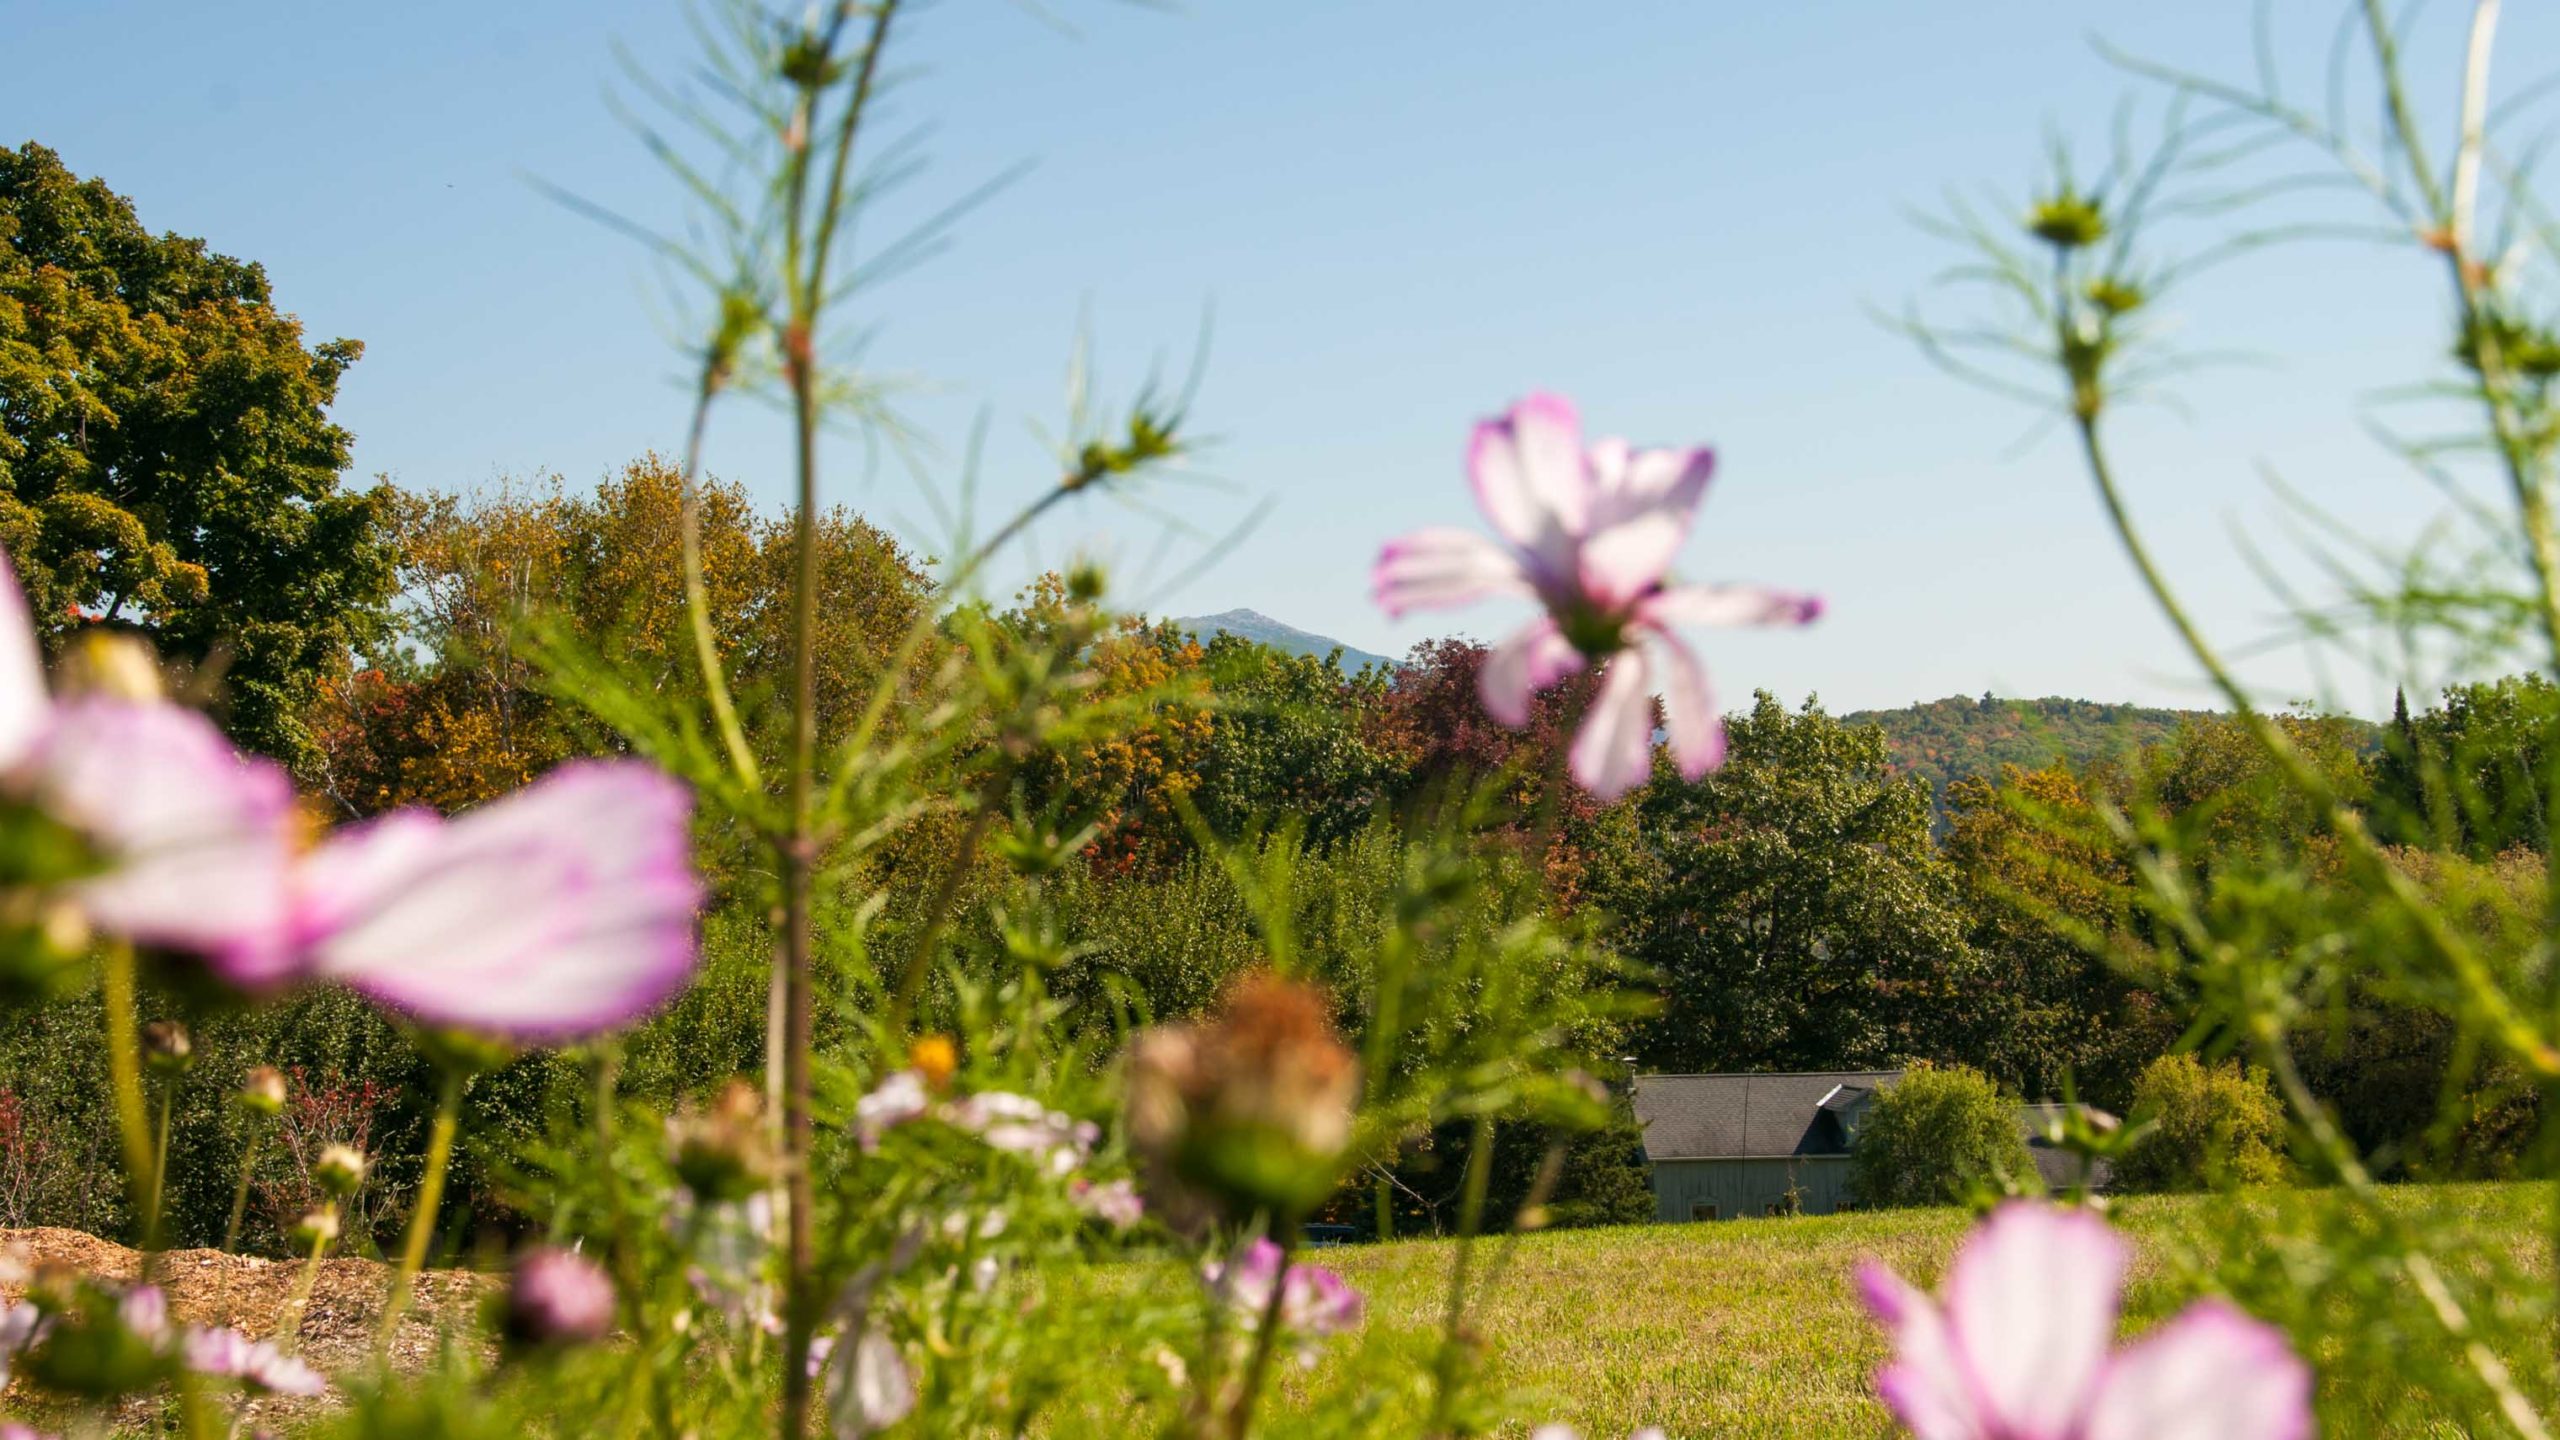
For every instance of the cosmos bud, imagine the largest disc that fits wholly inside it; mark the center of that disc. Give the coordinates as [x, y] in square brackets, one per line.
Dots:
[317, 1228]
[1249, 1111]
[262, 1090]
[167, 1048]
[721, 1153]
[112, 665]
[339, 1170]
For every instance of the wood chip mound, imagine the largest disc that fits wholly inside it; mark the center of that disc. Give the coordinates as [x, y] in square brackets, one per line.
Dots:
[208, 1287]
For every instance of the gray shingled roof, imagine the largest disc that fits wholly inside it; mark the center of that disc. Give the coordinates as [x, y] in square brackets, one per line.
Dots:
[1720, 1117]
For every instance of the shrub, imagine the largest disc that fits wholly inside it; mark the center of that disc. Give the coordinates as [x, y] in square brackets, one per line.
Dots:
[2212, 1126]
[1942, 1129]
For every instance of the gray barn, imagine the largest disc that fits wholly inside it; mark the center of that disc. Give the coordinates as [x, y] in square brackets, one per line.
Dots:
[1725, 1146]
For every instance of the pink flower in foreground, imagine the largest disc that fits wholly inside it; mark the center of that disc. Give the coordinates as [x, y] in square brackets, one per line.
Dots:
[195, 836]
[1315, 1303]
[562, 910]
[1589, 535]
[2020, 1350]
[227, 1354]
[558, 1297]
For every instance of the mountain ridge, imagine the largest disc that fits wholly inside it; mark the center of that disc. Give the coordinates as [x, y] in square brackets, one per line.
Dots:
[1253, 625]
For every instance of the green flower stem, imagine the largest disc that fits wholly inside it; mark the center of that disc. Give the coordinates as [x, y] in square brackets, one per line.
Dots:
[240, 1196]
[1266, 1339]
[124, 1072]
[160, 1153]
[1447, 1373]
[289, 1320]
[422, 1219]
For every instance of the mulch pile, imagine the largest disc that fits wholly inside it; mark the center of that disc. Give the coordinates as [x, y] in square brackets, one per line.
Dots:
[208, 1287]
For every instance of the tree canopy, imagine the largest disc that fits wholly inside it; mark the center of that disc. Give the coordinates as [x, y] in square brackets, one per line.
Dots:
[167, 461]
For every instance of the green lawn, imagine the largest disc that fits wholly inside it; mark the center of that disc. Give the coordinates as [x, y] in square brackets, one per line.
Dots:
[1753, 1327]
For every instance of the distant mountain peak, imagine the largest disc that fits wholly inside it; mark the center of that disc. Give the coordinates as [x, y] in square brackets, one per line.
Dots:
[1279, 635]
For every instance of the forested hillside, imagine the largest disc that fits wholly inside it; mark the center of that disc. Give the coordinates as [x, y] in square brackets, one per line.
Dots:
[1950, 739]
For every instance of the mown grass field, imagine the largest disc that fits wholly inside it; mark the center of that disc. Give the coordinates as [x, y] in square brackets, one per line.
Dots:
[1753, 1327]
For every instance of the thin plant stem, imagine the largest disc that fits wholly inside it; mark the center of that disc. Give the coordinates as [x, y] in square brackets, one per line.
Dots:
[1453, 1343]
[124, 1072]
[697, 591]
[160, 1152]
[289, 1319]
[805, 263]
[946, 894]
[240, 1196]
[422, 1219]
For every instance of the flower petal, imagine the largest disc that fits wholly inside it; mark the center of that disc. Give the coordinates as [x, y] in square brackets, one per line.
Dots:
[1441, 566]
[199, 836]
[23, 706]
[1531, 478]
[2032, 1297]
[1641, 510]
[1689, 708]
[2212, 1373]
[562, 910]
[1536, 656]
[1925, 1383]
[1730, 605]
[1614, 752]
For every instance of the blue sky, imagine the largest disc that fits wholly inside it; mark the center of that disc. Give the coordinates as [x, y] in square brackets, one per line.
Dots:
[1683, 214]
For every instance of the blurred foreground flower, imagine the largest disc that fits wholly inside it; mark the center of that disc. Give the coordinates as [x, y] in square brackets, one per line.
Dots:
[227, 1354]
[562, 910]
[2020, 1347]
[1250, 1111]
[1590, 536]
[558, 1297]
[1315, 1303]
[193, 837]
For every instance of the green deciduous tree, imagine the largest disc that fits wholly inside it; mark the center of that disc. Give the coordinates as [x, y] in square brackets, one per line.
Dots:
[1939, 1131]
[166, 457]
[1791, 905]
[2212, 1125]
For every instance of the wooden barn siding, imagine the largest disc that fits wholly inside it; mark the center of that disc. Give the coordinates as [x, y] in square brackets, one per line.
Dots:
[1747, 1187]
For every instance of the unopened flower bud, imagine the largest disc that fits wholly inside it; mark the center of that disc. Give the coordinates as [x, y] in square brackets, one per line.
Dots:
[167, 1048]
[1251, 1111]
[721, 1153]
[2068, 221]
[319, 1227]
[558, 1297]
[339, 1170]
[262, 1090]
[112, 665]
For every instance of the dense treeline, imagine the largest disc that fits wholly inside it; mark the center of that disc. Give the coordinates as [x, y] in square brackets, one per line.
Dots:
[1954, 886]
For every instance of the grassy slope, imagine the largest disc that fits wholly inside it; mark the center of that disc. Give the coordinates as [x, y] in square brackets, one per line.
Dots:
[1751, 1327]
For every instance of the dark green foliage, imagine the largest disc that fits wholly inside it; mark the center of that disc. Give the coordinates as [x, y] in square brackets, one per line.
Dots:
[2472, 774]
[1791, 906]
[1937, 1134]
[2211, 1126]
[1290, 742]
[166, 457]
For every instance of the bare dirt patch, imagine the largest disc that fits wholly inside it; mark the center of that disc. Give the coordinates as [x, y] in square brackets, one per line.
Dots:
[208, 1287]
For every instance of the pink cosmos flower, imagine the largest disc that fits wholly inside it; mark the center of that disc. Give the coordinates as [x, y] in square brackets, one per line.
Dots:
[226, 1353]
[558, 1297]
[562, 910]
[194, 835]
[1589, 535]
[2020, 1349]
[1315, 1303]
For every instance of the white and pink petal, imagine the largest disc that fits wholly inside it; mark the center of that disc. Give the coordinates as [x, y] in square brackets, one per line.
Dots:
[1729, 605]
[1613, 752]
[1534, 657]
[1442, 566]
[198, 838]
[1924, 1384]
[2032, 1299]
[2212, 1373]
[1688, 708]
[1642, 508]
[23, 704]
[563, 910]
